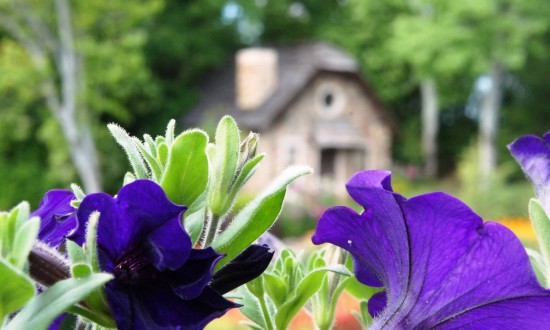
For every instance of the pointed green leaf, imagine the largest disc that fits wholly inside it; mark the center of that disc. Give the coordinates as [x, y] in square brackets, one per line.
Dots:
[539, 266]
[126, 142]
[150, 143]
[193, 223]
[307, 287]
[170, 132]
[276, 288]
[16, 289]
[252, 308]
[44, 308]
[256, 217]
[22, 214]
[77, 191]
[75, 252]
[541, 224]
[151, 161]
[24, 240]
[129, 178]
[91, 241]
[225, 164]
[244, 175]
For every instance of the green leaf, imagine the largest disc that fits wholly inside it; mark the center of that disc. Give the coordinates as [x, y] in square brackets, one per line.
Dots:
[16, 289]
[150, 143]
[539, 265]
[244, 175]
[193, 224]
[162, 153]
[129, 178]
[276, 288]
[24, 240]
[77, 191]
[44, 308]
[8, 225]
[80, 270]
[91, 240]
[170, 132]
[75, 252]
[186, 173]
[327, 318]
[22, 214]
[126, 142]
[541, 224]
[151, 161]
[252, 308]
[256, 217]
[360, 290]
[307, 287]
[225, 164]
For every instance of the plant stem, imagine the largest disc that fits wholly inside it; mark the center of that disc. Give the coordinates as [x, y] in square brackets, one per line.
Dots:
[210, 229]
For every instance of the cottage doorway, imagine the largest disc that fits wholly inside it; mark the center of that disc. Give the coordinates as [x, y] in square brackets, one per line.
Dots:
[328, 162]
[337, 165]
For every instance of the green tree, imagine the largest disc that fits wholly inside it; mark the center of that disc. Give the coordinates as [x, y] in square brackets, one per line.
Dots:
[187, 40]
[115, 84]
[50, 46]
[446, 40]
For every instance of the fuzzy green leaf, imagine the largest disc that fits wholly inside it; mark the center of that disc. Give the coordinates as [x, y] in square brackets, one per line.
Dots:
[170, 132]
[80, 270]
[256, 217]
[244, 175]
[224, 165]
[75, 252]
[186, 174]
[24, 240]
[44, 308]
[126, 142]
[541, 224]
[151, 161]
[16, 289]
[276, 288]
[307, 287]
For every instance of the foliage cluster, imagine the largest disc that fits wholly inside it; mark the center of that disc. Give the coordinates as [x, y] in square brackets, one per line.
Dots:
[144, 62]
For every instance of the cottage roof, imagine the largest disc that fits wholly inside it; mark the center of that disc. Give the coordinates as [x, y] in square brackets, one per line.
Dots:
[297, 66]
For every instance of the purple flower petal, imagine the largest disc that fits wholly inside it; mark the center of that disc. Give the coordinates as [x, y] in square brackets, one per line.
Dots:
[160, 282]
[533, 155]
[155, 306]
[140, 215]
[57, 217]
[248, 265]
[439, 263]
[377, 303]
[190, 280]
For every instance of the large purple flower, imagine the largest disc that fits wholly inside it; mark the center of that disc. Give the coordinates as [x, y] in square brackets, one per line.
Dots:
[57, 217]
[160, 281]
[441, 267]
[533, 154]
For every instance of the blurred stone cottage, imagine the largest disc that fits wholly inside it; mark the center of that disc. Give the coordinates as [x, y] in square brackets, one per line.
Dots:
[310, 105]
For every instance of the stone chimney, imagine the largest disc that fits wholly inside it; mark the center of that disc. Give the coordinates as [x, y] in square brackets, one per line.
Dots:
[256, 76]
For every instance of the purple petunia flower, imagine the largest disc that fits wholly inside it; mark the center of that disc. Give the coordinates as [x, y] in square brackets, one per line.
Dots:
[441, 267]
[533, 154]
[160, 281]
[57, 217]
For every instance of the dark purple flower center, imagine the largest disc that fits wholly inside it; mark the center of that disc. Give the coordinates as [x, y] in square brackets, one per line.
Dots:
[135, 269]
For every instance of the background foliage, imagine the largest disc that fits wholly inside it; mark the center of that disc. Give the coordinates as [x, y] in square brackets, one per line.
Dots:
[145, 60]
